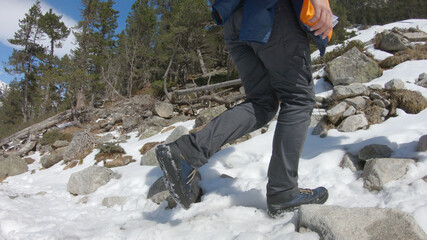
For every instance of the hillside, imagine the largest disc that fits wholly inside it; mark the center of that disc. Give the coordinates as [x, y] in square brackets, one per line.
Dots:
[38, 205]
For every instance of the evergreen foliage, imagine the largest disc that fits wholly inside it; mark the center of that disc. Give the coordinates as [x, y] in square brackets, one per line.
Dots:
[166, 43]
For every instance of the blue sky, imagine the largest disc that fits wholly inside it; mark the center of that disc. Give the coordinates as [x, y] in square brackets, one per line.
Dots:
[13, 10]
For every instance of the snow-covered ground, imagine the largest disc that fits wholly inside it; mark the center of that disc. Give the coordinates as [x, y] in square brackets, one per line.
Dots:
[368, 34]
[38, 206]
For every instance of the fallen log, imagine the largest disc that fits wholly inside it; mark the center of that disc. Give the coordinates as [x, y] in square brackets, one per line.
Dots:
[37, 127]
[207, 88]
[213, 98]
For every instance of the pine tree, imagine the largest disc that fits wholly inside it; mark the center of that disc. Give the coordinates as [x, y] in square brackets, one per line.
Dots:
[23, 61]
[135, 46]
[56, 31]
[95, 40]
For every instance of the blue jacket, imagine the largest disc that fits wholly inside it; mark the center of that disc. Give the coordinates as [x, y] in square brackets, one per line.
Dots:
[258, 19]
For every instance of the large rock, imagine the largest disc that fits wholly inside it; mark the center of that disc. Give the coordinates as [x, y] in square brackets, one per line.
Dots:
[51, 159]
[374, 151]
[81, 145]
[358, 102]
[12, 166]
[321, 128]
[176, 133]
[335, 113]
[379, 171]
[392, 42]
[89, 180]
[422, 144]
[351, 162]
[159, 193]
[130, 122]
[334, 222]
[422, 80]
[352, 90]
[60, 144]
[164, 110]
[207, 115]
[395, 84]
[415, 36]
[352, 67]
[353, 123]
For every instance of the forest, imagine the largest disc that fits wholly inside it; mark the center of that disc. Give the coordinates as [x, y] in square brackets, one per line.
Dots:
[165, 44]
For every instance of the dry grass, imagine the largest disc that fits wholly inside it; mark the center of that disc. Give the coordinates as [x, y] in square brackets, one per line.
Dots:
[147, 147]
[409, 101]
[168, 129]
[419, 53]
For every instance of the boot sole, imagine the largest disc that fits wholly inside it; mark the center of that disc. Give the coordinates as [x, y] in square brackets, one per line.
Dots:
[172, 177]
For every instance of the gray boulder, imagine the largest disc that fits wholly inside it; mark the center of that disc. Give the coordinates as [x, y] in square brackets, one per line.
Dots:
[379, 171]
[89, 180]
[334, 222]
[60, 144]
[149, 158]
[422, 144]
[45, 148]
[394, 84]
[49, 160]
[374, 151]
[146, 131]
[422, 80]
[205, 116]
[159, 193]
[321, 128]
[113, 201]
[392, 42]
[163, 110]
[353, 123]
[12, 166]
[375, 86]
[415, 36]
[130, 122]
[349, 112]
[106, 138]
[351, 162]
[358, 102]
[352, 90]
[335, 113]
[352, 67]
[176, 133]
[81, 145]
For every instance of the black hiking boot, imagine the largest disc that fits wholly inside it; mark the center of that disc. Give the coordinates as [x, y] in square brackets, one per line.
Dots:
[180, 178]
[305, 196]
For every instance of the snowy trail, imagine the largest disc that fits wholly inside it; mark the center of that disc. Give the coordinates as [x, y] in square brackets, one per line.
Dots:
[38, 206]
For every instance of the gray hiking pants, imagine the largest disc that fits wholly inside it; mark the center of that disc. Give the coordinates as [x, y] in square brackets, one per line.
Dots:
[273, 74]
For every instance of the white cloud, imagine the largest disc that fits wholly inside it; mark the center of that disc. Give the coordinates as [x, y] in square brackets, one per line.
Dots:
[12, 11]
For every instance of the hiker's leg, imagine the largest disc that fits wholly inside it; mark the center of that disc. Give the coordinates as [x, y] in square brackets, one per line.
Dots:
[259, 108]
[287, 60]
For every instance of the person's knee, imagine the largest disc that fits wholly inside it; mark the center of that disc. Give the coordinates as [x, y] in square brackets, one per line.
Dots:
[266, 112]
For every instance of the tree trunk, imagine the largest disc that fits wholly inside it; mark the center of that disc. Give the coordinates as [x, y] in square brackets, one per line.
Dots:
[208, 88]
[80, 100]
[230, 66]
[165, 76]
[25, 101]
[202, 62]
